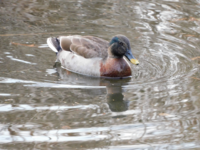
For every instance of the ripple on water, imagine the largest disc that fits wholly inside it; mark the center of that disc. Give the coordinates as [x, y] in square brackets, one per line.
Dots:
[168, 59]
[51, 108]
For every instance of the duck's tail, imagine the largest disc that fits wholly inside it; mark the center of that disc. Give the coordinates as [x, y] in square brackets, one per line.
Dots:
[54, 44]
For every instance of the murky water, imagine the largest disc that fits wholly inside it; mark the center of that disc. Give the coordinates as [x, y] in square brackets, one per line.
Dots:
[46, 107]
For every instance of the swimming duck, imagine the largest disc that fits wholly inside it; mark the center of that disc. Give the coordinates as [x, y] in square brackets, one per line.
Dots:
[93, 56]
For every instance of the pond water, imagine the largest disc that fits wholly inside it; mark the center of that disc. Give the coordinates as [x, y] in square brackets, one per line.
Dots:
[43, 106]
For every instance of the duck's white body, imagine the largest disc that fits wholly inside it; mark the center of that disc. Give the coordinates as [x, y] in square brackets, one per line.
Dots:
[90, 67]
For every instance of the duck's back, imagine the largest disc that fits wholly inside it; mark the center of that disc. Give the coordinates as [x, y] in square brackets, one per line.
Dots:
[85, 46]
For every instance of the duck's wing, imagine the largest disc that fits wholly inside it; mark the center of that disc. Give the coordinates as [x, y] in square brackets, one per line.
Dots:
[86, 46]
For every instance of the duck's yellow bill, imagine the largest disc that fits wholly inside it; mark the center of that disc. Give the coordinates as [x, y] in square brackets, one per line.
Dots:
[134, 61]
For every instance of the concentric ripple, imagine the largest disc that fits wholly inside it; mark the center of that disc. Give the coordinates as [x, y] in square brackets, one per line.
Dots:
[166, 61]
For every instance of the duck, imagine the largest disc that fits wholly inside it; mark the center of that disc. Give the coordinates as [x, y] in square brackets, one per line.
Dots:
[94, 56]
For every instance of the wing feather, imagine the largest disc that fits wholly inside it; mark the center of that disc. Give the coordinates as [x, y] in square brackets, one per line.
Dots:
[86, 46]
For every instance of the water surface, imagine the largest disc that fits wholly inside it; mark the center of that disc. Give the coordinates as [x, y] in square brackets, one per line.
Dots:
[46, 107]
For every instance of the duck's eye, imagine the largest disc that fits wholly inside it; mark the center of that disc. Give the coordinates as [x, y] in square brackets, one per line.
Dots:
[120, 43]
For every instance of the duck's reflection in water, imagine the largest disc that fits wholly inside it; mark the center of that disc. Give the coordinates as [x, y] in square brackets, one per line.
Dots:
[114, 96]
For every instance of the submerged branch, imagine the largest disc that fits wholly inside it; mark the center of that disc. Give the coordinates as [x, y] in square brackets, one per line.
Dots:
[195, 78]
[194, 58]
[20, 44]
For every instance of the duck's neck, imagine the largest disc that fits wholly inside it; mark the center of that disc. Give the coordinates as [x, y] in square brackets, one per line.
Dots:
[111, 55]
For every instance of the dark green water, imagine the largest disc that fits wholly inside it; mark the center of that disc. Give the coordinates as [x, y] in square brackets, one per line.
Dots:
[48, 108]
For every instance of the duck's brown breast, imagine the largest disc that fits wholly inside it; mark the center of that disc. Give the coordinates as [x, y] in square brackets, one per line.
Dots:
[115, 67]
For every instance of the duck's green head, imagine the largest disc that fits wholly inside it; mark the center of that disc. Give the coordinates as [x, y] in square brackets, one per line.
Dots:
[120, 46]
